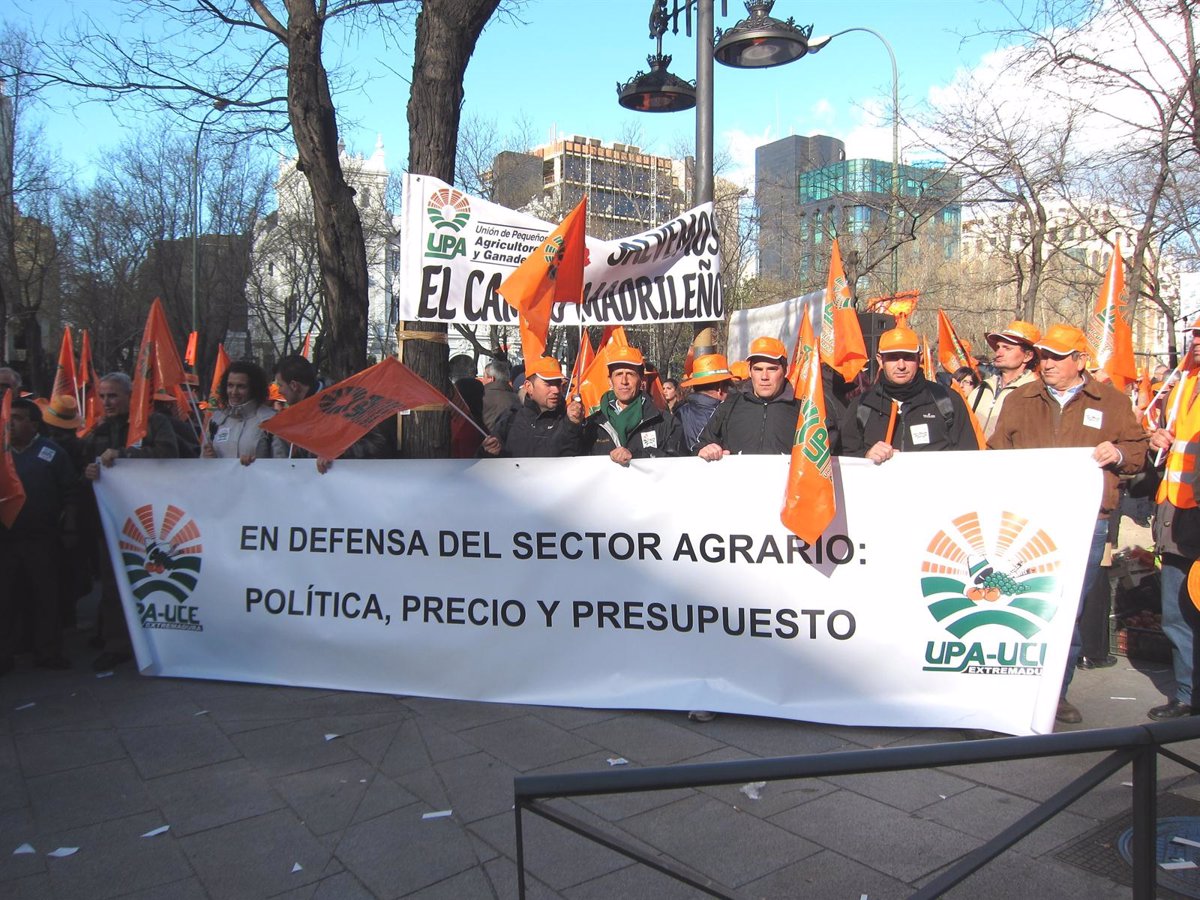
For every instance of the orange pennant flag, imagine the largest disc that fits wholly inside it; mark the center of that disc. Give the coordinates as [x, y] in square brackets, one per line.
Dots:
[842, 344]
[158, 368]
[927, 367]
[1108, 332]
[219, 367]
[328, 422]
[64, 376]
[12, 491]
[653, 387]
[583, 359]
[1145, 392]
[952, 353]
[189, 354]
[141, 399]
[306, 350]
[809, 501]
[979, 435]
[553, 273]
[88, 383]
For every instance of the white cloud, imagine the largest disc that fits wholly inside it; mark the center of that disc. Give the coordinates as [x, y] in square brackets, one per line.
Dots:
[740, 146]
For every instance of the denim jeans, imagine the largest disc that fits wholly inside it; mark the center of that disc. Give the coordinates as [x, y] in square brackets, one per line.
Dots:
[1179, 619]
[1095, 555]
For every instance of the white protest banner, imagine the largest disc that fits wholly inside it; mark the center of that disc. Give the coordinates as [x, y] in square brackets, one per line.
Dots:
[457, 249]
[778, 320]
[942, 595]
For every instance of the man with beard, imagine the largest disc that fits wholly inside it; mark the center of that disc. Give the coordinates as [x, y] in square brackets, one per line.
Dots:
[903, 412]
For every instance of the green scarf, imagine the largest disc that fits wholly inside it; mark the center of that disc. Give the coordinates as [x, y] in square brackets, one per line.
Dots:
[623, 421]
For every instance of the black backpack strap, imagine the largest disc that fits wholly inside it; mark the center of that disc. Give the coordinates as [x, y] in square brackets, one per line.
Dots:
[941, 396]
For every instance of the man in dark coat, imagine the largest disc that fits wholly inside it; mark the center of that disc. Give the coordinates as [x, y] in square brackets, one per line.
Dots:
[760, 415]
[628, 425]
[544, 425]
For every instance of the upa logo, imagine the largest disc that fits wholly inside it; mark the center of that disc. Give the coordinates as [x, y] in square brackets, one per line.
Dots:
[448, 211]
[162, 560]
[994, 589]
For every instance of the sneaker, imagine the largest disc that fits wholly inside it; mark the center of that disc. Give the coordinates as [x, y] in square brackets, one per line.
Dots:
[701, 715]
[1067, 714]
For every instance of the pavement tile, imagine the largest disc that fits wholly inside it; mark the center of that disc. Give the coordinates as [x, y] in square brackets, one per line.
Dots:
[456, 715]
[427, 786]
[400, 852]
[382, 796]
[254, 857]
[371, 744]
[613, 807]
[527, 743]
[328, 799]
[295, 747]
[34, 887]
[17, 828]
[502, 875]
[114, 859]
[337, 886]
[773, 798]
[349, 704]
[186, 889]
[43, 752]
[1040, 778]
[635, 882]
[908, 791]
[213, 796]
[87, 795]
[166, 749]
[647, 740]
[826, 874]
[766, 738]
[553, 855]
[477, 786]
[1045, 877]
[571, 718]
[59, 711]
[880, 836]
[710, 837]
[13, 793]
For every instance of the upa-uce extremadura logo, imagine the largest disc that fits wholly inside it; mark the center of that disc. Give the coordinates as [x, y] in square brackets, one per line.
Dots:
[993, 586]
[162, 560]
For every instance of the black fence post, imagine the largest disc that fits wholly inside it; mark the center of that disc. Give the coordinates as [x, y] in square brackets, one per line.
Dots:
[1145, 821]
[520, 854]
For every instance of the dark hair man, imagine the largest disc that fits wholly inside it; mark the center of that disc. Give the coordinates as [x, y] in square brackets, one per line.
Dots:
[1016, 363]
[543, 425]
[628, 425]
[758, 417]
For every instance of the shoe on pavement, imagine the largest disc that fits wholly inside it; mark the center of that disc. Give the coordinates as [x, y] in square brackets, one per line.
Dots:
[1094, 662]
[701, 715]
[57, 663]
[106, 662]
[1067, 714]
[1176, 709]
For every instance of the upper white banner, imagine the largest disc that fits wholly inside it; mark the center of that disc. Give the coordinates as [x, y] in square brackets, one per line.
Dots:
[457, 249]
[942, 595]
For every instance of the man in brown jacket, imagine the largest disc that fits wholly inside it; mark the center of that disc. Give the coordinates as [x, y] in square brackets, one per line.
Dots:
[1070, 408]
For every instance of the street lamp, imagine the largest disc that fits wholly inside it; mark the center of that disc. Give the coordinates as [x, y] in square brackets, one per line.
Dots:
[219, 104]
[817, 44]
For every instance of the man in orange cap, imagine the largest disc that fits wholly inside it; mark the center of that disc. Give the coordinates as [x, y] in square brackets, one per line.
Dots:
[903, 411]
[1016, 363]
[1177, 528]
[543, 425]
[759, 417]
[628, 425]
[709, 384]
[1070, 408]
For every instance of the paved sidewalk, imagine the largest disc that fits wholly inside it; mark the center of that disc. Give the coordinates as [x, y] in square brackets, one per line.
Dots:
[261, 802]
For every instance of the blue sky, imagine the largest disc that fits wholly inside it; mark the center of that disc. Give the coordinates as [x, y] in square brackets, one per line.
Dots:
[557, 70]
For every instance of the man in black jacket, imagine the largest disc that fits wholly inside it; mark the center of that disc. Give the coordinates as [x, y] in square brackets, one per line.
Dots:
[628, 425]
[760, 415]
[708, 385]
[543, 426]
[903, 411]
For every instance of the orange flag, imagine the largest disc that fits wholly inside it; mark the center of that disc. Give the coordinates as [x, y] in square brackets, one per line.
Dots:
[158, 368]
[306, 350]
[189, 354]
[219, 367]
[12, 492]
[842, 344]
[809, 503]
[88, 383]
[582, 360]
[328, 422]
[1108, 332]
[64, 377]
[553, 273]
[979, 435]
[927, 367]
[952, 354]
[1145, 392]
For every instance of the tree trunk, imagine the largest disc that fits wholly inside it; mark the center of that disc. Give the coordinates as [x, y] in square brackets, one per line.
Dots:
[446, 34]
[341, 247]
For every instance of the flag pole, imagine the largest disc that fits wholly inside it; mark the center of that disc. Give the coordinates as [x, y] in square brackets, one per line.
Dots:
[476, 425]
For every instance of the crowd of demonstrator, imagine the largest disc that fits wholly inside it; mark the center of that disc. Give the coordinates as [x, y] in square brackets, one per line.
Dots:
[1038, 393]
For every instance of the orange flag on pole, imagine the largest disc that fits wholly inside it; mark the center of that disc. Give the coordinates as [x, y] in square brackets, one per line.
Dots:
[64, 377]
[88, 383]
[927, 367]
[583, 359]
[1108, 332]
[809, 502]
[842, 344]
[219, 367]
[553, 273]
[158, 368]
[306, 350]
[12, 491]
[952, 353]
[189, 354]
[328, 422]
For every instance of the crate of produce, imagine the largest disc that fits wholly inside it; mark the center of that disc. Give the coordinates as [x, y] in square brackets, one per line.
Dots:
[1147, 644]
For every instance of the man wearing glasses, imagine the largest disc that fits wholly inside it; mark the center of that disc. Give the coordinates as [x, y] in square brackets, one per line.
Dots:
[1070, 408]
[903, 411]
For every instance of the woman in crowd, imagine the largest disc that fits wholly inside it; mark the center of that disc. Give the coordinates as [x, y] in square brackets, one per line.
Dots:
[236, 428]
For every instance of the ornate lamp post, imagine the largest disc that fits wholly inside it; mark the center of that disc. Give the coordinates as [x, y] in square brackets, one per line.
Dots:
[218, 105]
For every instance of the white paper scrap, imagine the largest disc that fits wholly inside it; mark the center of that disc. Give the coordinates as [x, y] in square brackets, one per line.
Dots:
[155, 832]
[1126, 784]
[1122, 698]
[296, 867]
[330, 737]
[24, 848]
[1185, 841]
[203, 712]
[1179, 864]
[104, 674]
[753, 789]
[618, 761]
[440, 814]
[63, 851]
[26, 706]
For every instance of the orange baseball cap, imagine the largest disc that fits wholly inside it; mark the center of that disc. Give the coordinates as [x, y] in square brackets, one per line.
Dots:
[768, 348]
[1015, 332]
[740, 370]
[546, 368]
[709, 369]
[1062, 339]
[899, 340]
[627, 357]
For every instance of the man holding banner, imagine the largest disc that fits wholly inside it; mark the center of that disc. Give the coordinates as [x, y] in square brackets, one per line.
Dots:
[628, 425]
[1016, 364]
[544, 425]
[760, 416]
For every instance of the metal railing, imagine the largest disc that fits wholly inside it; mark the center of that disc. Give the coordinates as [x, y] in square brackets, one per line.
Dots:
[1137, 745]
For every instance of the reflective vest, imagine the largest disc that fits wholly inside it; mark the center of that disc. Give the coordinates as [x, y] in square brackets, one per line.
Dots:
[1178, 486]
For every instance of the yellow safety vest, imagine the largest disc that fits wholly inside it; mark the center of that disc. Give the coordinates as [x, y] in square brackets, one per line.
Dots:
[1178, 485]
